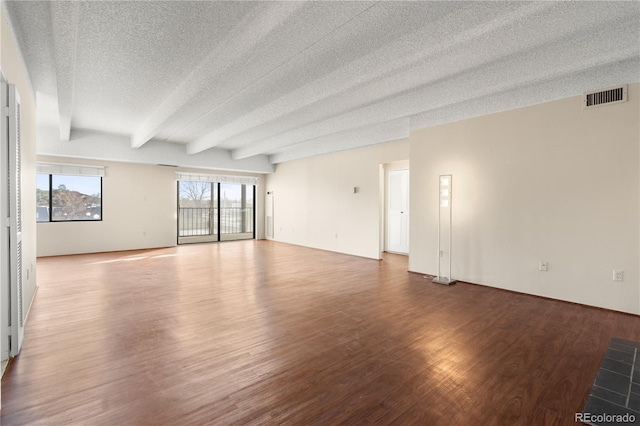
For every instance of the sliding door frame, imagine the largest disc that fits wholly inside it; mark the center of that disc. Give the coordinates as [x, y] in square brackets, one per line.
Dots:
[216, 234]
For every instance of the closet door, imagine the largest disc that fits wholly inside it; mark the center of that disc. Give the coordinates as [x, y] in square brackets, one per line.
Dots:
[11, 245]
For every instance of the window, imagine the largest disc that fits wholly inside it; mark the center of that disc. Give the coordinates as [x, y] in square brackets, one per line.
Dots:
[64, 198]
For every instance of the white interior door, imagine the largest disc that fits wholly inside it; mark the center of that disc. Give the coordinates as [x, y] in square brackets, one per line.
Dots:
[398, 211]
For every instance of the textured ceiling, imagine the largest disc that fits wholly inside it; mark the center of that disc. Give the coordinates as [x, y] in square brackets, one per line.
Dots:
[289, 80]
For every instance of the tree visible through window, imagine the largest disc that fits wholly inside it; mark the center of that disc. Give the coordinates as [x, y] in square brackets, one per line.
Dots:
[62, 198]
[197, 193]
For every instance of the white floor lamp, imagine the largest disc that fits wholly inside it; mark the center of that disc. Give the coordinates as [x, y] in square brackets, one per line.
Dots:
[445, 185]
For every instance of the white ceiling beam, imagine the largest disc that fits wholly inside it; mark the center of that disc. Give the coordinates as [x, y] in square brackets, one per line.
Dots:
[294, 44]
[564, 87]
[472, 84]
[65, 18]
[355, 138]
[116, 148]
[245, 36]
[317, 74]
[108, 147]
[452, 30]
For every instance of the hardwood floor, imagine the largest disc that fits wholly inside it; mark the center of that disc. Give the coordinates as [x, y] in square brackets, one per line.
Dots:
[257, 332]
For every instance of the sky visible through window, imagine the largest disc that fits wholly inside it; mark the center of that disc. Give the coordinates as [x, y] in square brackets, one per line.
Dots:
[42, 182]
[87, 185]
[230, 191]
[83, 184]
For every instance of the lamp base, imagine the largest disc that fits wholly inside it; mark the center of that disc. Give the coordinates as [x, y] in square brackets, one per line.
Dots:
[443, 280]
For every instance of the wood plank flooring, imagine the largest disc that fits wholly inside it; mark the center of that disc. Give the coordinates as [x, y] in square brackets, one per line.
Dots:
[258, 332]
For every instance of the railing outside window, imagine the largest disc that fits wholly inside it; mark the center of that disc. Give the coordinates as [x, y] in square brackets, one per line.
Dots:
[197, 221]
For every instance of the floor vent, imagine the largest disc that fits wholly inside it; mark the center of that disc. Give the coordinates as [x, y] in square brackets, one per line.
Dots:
[612, 95]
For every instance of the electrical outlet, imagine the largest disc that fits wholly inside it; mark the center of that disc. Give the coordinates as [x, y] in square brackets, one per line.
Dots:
[618, 275]
[543, 266]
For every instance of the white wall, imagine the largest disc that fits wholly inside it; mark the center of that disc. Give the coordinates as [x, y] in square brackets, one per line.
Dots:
[15, 72]
[139, 205]
[314, 203]
[549, 182]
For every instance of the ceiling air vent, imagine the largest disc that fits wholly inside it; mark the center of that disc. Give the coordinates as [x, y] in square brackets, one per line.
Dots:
[611, 95]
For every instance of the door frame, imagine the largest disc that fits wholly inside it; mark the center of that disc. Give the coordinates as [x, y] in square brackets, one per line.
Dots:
[384, 202]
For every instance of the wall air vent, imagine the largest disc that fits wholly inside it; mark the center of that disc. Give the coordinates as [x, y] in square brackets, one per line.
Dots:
[611, 95]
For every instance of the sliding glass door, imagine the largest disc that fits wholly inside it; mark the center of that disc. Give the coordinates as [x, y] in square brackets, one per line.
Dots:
[212, 211]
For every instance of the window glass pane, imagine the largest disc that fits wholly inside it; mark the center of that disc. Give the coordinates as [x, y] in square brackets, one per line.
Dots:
[230, 195]
[195, 194]
[42, 198]
[249, 195]
[236, 211]
[230, 209]
[248, 208]
[76, 198]
[196, 209]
